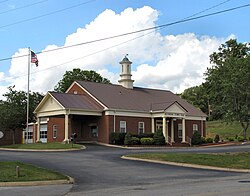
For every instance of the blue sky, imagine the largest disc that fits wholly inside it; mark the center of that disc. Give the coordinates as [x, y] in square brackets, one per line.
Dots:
[45, 30]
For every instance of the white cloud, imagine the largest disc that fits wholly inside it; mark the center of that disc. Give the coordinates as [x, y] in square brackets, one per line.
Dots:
[172, 62]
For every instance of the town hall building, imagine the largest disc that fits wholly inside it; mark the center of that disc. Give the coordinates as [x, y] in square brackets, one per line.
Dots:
[94, 110]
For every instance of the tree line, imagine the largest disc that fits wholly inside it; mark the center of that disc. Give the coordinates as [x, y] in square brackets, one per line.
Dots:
[225, 93]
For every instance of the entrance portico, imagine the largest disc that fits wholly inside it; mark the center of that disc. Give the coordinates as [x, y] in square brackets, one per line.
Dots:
[166, 119]
[51, 108]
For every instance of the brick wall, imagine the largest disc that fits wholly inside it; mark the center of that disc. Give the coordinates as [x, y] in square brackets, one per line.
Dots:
[59, 121]
[8, 137]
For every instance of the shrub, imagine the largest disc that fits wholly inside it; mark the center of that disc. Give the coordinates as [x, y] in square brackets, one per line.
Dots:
[203, 140]
[146, 135]
[127, 139]
[117, 138]
[134, 141]
[240, 139]
[196, 138]
[216, 138]
[230, 139]
[147, 141]
[159, 138]
[131, 140]
[209, 140]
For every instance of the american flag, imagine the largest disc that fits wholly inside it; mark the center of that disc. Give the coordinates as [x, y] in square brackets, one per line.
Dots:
[34, 58]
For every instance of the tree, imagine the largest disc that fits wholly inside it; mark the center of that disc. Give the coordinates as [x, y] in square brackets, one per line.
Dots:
[13, 109]
[197, 97]
[77, 74]
[228, 83]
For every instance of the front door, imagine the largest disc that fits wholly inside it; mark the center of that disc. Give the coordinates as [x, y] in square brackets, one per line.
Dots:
[94, 131]
[159, 125]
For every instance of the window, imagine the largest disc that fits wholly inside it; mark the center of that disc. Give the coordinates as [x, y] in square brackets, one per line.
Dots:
[195, 127]
[43, 132]
[179, 130]
[122, 126]
[141, 127]
[55, 130]
[30, 133]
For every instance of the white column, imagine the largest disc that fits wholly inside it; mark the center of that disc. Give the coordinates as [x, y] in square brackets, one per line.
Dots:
[38, 130]
[183, 131]
[164, 127]
[202, 130]
[172, 130]
[66, 130]
[153, 125]
[167, 130]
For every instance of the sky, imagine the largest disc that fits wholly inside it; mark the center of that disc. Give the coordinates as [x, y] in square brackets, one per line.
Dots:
[171, 58]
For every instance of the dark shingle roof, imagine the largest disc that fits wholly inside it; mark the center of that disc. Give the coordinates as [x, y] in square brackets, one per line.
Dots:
[75, 101]
[136, 99]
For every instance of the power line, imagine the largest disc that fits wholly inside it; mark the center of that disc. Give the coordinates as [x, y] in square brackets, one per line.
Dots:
[138, 31]
[44, 15]
[88, 55]
[210, 8]
[103, 49]
[25, 6]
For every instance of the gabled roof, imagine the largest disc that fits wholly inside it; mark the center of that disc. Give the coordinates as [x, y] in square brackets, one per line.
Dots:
[136, 99]
[73, 101]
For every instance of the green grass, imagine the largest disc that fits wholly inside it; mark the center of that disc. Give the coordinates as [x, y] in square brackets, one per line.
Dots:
[27, 173]
[227, 160]
[224, 130]
[43, 146]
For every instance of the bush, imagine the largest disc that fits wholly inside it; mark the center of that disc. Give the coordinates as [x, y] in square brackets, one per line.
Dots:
[216, 138]
[209, 140]
[134, 141]
[159, 138]
[130, 140]
[117, 138]
[203, 140]
[230, 139]
[196, 138]
[146, 135]
[147, 141]
[240, 139]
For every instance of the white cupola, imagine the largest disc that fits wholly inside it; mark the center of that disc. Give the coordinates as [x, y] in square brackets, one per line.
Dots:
[125, 75]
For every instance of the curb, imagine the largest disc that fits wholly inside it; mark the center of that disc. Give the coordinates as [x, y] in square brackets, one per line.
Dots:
[38, 183]
[188, 165]
[45, 150]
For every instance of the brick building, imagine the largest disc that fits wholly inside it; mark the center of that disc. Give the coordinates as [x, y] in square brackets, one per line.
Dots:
[94, 110]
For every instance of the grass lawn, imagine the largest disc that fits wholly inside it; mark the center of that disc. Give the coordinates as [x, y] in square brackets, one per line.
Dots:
[27, 173]
[226, 160]
[224, 130]
[52, 145]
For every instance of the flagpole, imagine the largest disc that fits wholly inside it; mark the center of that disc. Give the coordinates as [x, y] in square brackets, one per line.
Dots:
[28, 89]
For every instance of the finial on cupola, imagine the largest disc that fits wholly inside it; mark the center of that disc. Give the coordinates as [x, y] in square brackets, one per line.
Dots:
[125, 75]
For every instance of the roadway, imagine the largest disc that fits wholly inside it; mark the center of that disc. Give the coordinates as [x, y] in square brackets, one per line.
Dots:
[99, 170]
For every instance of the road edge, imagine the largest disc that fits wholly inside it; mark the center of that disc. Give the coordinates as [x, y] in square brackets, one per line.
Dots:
[188, 165]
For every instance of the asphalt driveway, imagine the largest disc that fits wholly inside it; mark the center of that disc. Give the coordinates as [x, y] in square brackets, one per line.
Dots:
[99, 170]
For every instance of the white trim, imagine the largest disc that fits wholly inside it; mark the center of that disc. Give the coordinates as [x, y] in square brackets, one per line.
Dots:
[127, 113]
[175, 108]
[195, 118]
[74, 111]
